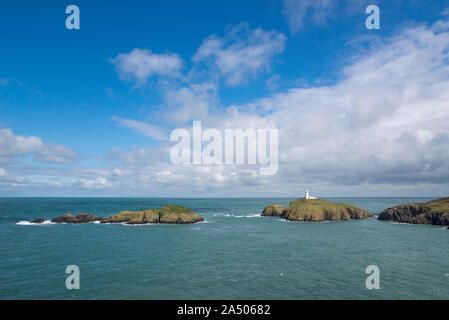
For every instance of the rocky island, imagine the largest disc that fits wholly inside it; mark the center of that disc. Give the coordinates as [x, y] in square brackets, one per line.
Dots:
[315, 210]
[435, 212]
[169, 214]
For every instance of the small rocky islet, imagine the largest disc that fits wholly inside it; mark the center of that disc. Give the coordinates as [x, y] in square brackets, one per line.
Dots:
[435, 212]
[170, 214]
[315, 210]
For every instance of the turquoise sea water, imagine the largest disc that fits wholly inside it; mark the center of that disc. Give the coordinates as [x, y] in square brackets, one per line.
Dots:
[233, 254]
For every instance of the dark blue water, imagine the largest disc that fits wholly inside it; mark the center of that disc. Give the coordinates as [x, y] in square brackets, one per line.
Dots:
[234, 254]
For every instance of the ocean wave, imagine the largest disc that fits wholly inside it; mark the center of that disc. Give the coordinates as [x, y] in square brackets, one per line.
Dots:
[29, 223]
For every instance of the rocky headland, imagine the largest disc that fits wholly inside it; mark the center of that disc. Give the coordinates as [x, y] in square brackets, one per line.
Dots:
[435, 212]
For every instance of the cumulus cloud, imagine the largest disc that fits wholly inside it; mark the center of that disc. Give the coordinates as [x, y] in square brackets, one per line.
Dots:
[12, 146]
[241, 53]
[141, 64]
[384, 123]
[186, 103]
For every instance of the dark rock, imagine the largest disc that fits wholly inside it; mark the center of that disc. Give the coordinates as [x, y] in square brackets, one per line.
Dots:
[38, 221]
[79, 218]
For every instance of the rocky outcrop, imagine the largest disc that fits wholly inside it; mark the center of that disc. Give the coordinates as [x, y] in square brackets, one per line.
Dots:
[320, 210]
[134, 217]
[274, 210]
[435, 212]
[169, 214]
[79, 218]
[38, 221]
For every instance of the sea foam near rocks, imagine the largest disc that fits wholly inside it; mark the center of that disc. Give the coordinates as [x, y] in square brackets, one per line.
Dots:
[29, 223]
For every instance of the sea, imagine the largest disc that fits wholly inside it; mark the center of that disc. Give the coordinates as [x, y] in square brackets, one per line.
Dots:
[234, 254]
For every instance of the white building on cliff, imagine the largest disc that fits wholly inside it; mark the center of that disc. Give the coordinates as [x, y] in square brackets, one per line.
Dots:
[308, 196]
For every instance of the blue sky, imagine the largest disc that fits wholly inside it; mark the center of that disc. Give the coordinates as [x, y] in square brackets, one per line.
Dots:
[78, 119]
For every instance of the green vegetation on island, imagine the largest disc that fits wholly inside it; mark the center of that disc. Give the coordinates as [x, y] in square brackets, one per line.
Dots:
[169, 214]
[316, 210]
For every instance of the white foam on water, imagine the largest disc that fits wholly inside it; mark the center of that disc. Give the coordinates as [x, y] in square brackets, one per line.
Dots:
[29, 223]
[136, 225]
[243, 216]
[254, 216]
[403, 223]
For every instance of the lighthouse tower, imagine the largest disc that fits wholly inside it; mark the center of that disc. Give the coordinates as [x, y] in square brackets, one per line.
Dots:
[307, 196]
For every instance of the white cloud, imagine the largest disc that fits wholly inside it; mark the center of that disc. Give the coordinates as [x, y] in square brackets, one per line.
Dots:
[300, 13]
[384, 123]
[383, 127]
[97, 184]
[141, 64]
[8, 179]
[190, 102]
[146, 129]
[241, 54]
[139, 157]
[273, 82]
[12, 146]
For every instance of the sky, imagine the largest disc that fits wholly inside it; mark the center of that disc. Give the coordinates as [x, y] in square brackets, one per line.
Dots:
[90, 111]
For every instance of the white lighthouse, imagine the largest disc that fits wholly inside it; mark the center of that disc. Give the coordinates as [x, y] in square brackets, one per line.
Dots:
[307, 196]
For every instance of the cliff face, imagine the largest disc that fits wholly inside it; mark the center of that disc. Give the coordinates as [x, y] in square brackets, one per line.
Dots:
[317, 210]
[275, 210]
[435, 212]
